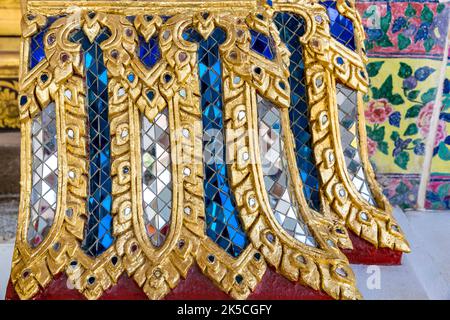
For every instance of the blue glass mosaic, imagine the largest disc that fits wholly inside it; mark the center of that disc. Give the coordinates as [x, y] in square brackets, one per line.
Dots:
[148, 18]
[262, 44]
[98, 231]
[291, 27]
[222, 220]
[37, 52]
[149, 52]
[341, 28]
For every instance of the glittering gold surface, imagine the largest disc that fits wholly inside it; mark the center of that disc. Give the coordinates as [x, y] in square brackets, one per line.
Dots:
[158, 271]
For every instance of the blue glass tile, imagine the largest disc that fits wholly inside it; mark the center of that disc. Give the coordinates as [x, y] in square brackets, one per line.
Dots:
[98, 231]
[165, 18]
[149, 52]
[262, 44]
[150, 95]
[222, 220]
[291, 27]
[37, 52]
[23, 100]
[341, 28]
[148, 17]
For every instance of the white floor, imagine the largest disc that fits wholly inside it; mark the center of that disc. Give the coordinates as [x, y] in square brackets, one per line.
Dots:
[6, 251]
[424, 273]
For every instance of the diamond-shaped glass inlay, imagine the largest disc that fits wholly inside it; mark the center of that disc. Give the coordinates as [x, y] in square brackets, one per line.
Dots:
[291, 27]
[262, 44]
[149, 52]
[156, 177]
[98, 230]
[45, 175]
[222, 220]
[37, 52]
[348, 121]
[341, 27]
[276, 174]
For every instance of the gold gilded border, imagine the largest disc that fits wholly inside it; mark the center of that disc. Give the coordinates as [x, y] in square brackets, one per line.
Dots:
[9, 110]
[174, 80]
[158, 270]
[225, 270]
[321, 55]
[322, 268]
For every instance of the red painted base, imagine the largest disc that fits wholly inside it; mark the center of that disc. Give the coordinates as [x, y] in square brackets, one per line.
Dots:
[195, 287]
[365, 253]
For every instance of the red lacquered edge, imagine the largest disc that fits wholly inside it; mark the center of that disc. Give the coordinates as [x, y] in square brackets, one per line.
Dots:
[195, 287]
[365, 253]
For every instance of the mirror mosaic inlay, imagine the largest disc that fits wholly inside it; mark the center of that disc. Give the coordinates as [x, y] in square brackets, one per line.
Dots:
[291, 27]
[156, 177]
[193, 134]
[276, 173]
[45, 175]
[348, 121]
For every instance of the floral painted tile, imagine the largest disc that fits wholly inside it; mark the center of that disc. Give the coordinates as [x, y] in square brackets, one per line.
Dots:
[398, 111]
[438, 189]
[441, 151]
[438, 192]
[408, 27]
[400, 189]
[405, 41]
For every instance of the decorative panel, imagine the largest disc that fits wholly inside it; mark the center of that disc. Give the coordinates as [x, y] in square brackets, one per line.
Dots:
[277, 181]
[222, 221]
[291, 27]
[165, 116]
[406, 60]
[98, 236]
[324, 153]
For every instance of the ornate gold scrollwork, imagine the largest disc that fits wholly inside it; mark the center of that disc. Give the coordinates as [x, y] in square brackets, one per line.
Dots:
[159, 270]
[174, 85]
[322, 56]
[9, 112]
[224, 269]
[315, 267]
